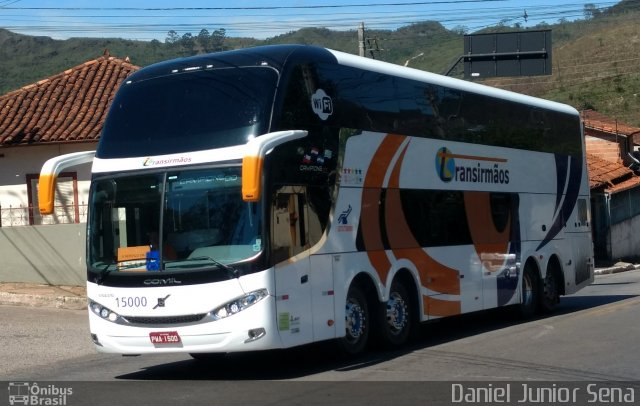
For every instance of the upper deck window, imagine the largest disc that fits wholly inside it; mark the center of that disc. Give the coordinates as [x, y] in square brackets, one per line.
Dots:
[189, 111]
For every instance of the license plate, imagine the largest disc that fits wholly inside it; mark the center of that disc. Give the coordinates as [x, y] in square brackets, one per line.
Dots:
[164, 337]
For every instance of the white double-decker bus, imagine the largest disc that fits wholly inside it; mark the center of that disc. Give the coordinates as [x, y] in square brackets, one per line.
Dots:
[276, 196]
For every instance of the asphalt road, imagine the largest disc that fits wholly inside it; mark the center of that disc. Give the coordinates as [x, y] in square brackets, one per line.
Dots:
[593, 336]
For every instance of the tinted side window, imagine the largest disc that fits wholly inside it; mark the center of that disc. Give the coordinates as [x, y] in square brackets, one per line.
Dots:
[373, 101]
[436, 218]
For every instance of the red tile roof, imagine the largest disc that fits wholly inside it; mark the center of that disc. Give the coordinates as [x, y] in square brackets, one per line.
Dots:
[70, 106]
[624, 185]
[600, 122]
[606, 168]
[614, 177]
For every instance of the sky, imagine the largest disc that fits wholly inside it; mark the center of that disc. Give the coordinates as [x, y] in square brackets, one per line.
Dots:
[147, 20]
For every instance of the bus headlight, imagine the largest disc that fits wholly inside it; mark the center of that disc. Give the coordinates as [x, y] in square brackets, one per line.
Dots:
[239, 304]
[103, 312]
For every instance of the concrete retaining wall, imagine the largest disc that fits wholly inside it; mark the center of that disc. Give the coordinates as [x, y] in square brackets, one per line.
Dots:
[625, 239]
[52, 254]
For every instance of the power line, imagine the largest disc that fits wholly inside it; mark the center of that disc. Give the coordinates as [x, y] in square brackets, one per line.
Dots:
[375, 18]
[375, 22]
[321, 6]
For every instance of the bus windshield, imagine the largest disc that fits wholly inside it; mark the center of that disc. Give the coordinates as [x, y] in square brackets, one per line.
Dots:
[188, 111]
[172, 221]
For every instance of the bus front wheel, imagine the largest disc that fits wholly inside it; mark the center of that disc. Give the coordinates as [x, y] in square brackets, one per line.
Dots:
[356, 322]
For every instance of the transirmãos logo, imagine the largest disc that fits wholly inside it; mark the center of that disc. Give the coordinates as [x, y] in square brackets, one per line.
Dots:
[166, 161]
[470, 169]
[445, 164]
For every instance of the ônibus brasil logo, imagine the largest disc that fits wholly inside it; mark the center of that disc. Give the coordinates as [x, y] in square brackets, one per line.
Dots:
[483, 170]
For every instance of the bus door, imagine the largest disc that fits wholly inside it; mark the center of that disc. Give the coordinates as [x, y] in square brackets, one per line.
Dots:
[304, 284]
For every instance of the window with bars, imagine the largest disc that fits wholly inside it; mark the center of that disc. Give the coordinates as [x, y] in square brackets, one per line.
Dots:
[66, 209]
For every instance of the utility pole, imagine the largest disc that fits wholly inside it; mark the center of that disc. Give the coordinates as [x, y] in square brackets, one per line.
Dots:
[361, 46]
[367, 44]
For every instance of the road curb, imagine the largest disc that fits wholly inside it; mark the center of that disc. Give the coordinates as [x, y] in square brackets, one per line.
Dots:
[34, 300]
[617, 269]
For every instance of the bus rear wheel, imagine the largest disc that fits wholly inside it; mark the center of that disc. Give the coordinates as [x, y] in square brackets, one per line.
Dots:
[529, 292]
[357, 323]
[396, 317]
[550, 294]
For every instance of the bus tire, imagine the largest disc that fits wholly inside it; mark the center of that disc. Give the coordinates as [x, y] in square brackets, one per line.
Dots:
[549, 291]
[396, 318]
[357, 323]
[529, 291]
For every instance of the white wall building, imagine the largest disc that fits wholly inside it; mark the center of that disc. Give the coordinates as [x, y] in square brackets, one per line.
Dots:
[61, 114]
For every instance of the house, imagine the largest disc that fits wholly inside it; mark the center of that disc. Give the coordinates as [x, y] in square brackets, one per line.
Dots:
[615, 186]
[57, 115]
[600, 129]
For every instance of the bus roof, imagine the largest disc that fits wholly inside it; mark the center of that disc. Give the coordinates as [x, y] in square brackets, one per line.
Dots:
[445, 81]
[277, 56]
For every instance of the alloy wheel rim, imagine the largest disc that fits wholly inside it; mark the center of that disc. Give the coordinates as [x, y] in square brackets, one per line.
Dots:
[397, 312]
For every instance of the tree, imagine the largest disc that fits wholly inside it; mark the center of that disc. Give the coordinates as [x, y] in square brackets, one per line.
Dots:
[172, 38]
[204, 40]
[217, 39]
[460, 29]
[591, 11]
[188, 43]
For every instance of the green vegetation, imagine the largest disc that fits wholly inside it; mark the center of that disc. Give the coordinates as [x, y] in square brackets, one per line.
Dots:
[594, 60]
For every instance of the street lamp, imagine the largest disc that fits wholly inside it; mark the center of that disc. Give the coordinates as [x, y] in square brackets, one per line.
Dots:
[412, 58]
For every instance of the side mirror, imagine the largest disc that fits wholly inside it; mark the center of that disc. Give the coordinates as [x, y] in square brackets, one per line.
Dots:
[49, 173]
[253, 160]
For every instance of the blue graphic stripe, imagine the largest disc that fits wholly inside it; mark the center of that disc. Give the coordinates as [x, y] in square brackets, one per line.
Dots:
[571, 197]
[562, 167]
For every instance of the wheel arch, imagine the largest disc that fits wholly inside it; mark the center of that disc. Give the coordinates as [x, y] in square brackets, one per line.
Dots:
[532, 261]
[365, 282]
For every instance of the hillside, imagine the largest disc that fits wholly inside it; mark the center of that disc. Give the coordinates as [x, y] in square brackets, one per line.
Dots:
[45, 56]
[594, 60]
[597, 69]
[25, 59]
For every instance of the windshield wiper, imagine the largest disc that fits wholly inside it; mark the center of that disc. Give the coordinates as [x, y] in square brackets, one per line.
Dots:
[108, 268]
[233, 271]
[104, 272]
